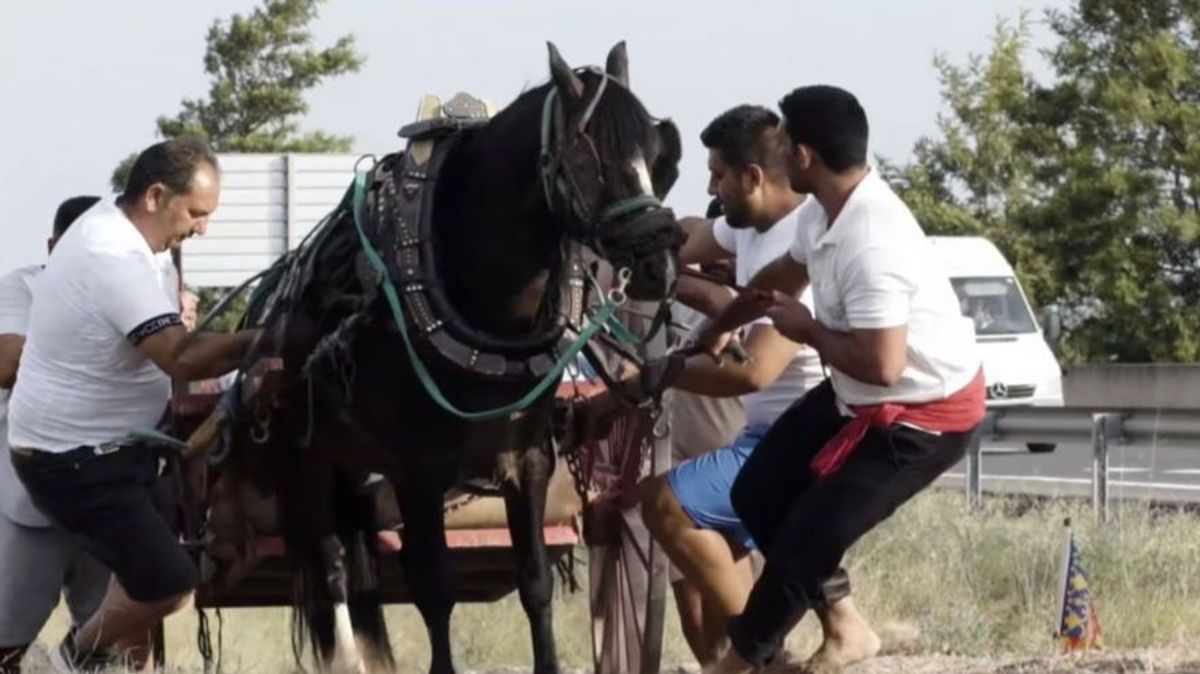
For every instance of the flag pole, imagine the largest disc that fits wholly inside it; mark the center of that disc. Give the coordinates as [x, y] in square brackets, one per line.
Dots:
[1064, 579]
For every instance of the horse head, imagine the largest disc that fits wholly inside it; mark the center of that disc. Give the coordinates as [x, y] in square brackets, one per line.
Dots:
[606, 164]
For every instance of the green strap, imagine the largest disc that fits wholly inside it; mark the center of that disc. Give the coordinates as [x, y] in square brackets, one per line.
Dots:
[155, 438]
[624, 207]
[594, 325]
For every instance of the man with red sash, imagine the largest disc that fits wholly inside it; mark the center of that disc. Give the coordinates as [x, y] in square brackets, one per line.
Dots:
[905, 390]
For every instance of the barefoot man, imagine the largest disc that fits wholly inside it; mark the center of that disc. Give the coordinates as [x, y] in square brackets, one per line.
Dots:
[905, 392]
[689, 510]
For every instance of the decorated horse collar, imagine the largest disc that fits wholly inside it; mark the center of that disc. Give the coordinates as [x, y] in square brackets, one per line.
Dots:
[399, 213]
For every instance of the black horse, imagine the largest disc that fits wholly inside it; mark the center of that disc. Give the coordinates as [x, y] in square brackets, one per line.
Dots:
[575, 161]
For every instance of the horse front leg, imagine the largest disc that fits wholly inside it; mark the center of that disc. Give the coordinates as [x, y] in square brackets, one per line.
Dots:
[346, 658]
[525, 502]
[426, 562]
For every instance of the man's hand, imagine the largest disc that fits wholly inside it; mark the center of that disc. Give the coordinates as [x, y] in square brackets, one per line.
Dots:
[709, 339]
[791, 318]
[712, 339]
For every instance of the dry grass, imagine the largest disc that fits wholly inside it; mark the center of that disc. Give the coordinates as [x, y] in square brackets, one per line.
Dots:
[934, 580]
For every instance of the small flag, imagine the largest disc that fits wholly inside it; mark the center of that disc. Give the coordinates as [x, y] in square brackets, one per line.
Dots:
[1078, 621]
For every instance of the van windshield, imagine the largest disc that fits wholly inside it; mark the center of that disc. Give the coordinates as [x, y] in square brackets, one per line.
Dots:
[995, 304]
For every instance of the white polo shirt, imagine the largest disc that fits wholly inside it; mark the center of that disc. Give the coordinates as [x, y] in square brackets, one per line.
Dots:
[752, 251]
[16, 295]
[873, 268]
[82, 381]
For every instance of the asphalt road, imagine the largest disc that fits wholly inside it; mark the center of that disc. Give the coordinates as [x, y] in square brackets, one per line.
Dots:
[1167, 471]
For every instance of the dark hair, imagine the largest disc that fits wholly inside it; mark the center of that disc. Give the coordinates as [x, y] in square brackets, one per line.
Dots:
[69, 211]
[172, 162]
[715, 209]
[746, 135]
[831, 122]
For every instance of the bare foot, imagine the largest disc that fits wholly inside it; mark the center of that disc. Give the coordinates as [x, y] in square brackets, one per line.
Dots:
[730, 663]
[848, 639]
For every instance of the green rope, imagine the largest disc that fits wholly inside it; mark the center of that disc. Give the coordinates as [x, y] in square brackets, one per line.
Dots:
[595, 323]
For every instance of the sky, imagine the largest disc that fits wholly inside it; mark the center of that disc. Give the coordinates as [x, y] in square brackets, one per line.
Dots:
[81, 83]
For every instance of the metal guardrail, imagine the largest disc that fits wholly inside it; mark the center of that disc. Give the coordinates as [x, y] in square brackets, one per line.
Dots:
[1104, 428]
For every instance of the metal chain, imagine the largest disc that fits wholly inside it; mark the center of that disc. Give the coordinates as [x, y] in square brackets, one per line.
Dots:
[574, 456]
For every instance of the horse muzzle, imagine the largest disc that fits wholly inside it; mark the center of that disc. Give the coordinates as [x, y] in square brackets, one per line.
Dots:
[648, 245]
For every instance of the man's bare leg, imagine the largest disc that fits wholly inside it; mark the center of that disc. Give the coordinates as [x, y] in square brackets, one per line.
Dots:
[848, 638]
[123, 622]
[136, 652]
[705, 559]
[690, 604]
[729, 663]
[716, 627]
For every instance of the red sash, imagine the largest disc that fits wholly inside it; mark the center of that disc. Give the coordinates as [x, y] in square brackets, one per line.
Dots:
[957, 414]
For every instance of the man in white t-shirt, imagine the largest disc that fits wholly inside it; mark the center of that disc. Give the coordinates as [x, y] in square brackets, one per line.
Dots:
[689, 510]
[103, 343]
[699, 424]
[42, 562]
[906, 389]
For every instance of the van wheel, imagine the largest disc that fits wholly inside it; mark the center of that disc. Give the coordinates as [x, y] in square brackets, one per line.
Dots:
[1041, 447]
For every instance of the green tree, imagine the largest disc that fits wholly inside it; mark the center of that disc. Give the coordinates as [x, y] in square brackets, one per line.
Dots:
[1089, 184]
[987, 171]
[1128, 110]
[260, 67]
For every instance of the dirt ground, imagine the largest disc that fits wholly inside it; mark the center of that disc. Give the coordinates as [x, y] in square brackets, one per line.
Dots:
[1150, 661]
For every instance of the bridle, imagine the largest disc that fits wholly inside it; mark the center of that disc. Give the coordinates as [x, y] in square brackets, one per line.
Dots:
[573, 181]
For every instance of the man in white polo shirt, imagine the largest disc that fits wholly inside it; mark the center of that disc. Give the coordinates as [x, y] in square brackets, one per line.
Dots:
[104, 342]
[905, 393]
[41, 562]
[689, 510]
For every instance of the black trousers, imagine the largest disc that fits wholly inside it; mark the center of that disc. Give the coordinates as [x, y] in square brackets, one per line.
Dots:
[108, 500]
[804, 527]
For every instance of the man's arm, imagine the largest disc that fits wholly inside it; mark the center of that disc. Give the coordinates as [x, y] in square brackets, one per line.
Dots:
[10, 354]
[783, 274]
[701, 246]
[203, 355]
[703, 296]
[877, 292]
[15, 300]
[873, 357]
[769, 351]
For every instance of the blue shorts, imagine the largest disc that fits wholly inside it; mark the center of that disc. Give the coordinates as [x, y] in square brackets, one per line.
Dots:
[702, 486]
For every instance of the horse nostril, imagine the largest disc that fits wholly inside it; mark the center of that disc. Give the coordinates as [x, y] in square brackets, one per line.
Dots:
[650, 271]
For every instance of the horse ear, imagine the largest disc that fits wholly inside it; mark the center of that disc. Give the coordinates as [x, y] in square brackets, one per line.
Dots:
[570, 87]
[617, 65]
[666, 165]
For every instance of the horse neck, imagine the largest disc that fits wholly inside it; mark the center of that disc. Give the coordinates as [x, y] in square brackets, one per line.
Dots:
[497, 246]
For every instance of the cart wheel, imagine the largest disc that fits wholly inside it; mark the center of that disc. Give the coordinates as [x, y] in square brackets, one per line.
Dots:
[627, 570]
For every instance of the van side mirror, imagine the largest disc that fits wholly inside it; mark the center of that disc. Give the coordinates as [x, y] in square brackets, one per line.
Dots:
[1051, 324]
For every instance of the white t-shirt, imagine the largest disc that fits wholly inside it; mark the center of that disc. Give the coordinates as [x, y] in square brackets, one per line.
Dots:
[82, 380]
[873, 268]
[16, 294]
[753, 250]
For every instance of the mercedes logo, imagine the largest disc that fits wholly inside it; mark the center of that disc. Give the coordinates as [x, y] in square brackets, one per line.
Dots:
[998, 390]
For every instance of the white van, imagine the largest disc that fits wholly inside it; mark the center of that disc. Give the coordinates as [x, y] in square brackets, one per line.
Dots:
[1018, 364]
